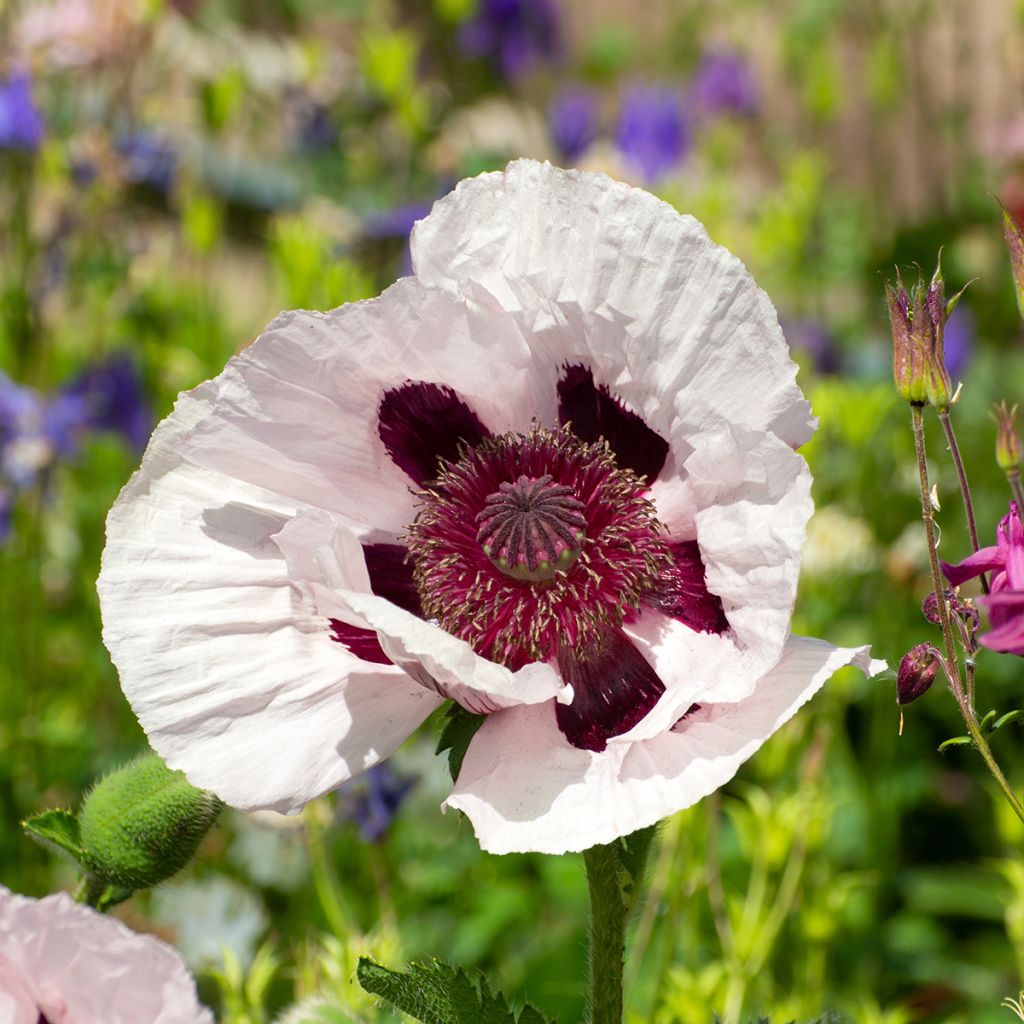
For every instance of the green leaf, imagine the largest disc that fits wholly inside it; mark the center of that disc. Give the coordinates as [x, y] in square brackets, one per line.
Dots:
[955, 741]
[1010, 716]
[984, 723]
[434, 992]
[460, 727]
[57, 830]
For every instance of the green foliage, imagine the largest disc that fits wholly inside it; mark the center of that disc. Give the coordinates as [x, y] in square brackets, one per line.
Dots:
[57, 830]
[459, 728]
[438, 993]
[142, 823]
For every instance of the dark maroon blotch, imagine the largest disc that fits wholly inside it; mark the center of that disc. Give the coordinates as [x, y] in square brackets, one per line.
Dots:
[391, 575]
[594, 413]
[422, 424]
[612, 691]
[363, 643]
[683, 593]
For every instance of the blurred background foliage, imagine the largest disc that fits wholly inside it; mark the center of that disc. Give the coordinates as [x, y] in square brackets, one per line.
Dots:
[174, 173]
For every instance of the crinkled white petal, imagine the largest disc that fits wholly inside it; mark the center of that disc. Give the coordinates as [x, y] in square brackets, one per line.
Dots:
[524, 787]
[233, 680]
[325, 557]
[81, 967]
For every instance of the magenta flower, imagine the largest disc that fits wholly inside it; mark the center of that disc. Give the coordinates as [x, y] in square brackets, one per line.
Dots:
[552, 476]
[62, 962]
[1005, 601]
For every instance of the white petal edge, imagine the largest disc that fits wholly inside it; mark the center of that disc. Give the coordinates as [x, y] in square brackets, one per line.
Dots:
[524, 788]
[232, 679]
[324, 555]
[80, 966]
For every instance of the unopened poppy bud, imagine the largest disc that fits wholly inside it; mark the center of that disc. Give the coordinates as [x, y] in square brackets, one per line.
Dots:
[1015, 244]
[1007, 440]
[142, 823]
[916, 673]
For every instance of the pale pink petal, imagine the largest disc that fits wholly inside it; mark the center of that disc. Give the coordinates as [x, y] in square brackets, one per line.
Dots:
[525, 788]
[233, 680]
[324, 556]
[81, 967]
[601, 271]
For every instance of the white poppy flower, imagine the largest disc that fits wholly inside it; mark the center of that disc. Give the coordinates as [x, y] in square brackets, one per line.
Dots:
[62, 962]
[552, 476]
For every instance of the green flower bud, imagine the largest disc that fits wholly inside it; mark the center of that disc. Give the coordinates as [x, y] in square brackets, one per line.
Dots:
[908, 355]
[142, 823]
[1007, 440]
[1015, 244]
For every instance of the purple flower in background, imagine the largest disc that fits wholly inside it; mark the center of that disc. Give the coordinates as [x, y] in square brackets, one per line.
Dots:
[572, 120]
[21, 124]
[148, 159]
[373, 800]
[114, 399]
[814, 338]
[958, 340]
[652, 132]
[6, 507]
[723, 84]
[394, 222]
[514, 33]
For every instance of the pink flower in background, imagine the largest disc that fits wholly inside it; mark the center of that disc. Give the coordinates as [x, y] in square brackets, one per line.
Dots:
[552, 476]
[1005, 601]
[62, 963]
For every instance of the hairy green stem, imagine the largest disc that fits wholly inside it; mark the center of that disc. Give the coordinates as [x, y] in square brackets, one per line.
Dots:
[615, 876]
[952, 666]
[965, 490]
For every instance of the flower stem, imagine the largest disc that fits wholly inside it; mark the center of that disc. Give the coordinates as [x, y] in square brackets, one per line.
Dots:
[615, 876]
[965, 490]
[950, 664]
[1018, 494]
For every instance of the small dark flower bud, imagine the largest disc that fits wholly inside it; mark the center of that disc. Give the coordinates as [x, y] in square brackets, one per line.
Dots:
[1007, 440]
[930, 608]
[916, 673]
[142, 823]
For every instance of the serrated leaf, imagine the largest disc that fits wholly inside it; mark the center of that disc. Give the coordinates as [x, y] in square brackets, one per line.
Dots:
[57, 830]
[434, 992]
[954, 741]
[460, 727]
[1010, 716]
[984, 723]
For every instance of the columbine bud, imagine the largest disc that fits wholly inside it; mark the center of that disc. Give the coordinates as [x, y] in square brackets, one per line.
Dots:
[142, 823]
[1007, 440]
[916, 673]
[918, 322]
[1015, 243]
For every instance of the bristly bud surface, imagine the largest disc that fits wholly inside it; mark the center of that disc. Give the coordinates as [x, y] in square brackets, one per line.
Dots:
[918, 321]
[916, 673]
[142, 823]
[1015, 244]
[1007, 440]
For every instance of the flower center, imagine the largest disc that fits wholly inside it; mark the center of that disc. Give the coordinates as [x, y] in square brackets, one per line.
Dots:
[532, 529]
[532, 544]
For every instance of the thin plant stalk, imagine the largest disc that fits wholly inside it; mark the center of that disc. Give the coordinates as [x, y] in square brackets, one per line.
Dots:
[965, 490]
[950, 663]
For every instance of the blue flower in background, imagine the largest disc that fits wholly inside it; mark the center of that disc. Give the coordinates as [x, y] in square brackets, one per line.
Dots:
[516, 34]
[21, 124]
[723, 84]
[814, 338]
[958, 341]
[372, 800]
[37, 430]
[148, 159]
[396, 223]
[652, 132]
[572, 120]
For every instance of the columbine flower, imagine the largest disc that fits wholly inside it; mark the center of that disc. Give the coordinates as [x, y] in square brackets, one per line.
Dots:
[572, 120]
[515, 34]
[551, 476]
[21, 124]
[1005, 600]
[60, 961]
[723, 84]
[652, 132]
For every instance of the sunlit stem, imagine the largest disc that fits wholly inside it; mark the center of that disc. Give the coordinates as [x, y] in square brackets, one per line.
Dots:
[950, 663]
[965, 490]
